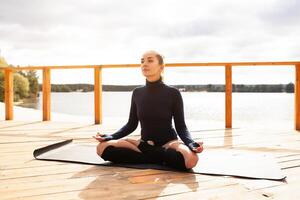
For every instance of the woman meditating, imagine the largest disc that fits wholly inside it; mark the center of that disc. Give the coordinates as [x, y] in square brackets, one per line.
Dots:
[154, 106]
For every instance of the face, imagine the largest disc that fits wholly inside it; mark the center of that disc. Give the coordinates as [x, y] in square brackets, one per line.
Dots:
[150, 65]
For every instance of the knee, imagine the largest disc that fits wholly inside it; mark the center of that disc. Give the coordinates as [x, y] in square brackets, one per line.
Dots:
[191, 161]
[101, 146]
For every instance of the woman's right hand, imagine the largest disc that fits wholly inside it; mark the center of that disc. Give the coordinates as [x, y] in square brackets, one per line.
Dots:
[99, 137]
[200, 148]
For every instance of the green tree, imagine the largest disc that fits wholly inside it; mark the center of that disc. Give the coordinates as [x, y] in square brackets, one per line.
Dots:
[1, 86]
[33, 83]
[21, 87]
[65, 88]
[3, 63]
[289, 88]
[20, 84]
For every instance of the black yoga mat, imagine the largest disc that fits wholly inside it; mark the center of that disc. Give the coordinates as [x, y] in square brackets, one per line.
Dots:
[214, 162]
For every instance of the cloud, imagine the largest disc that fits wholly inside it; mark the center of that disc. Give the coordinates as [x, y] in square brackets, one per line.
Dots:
[61, 32]
[282, 14]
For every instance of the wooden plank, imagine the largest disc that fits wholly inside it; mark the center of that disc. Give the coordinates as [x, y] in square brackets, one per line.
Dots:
[97, 185]
[25, 178]
[210, 64]
[69, 171]
[228, 192]
[228, 98]
[297, 97]
[98, 95]
[287, 190]
[39, 171]
[9, 94]
[46, 95]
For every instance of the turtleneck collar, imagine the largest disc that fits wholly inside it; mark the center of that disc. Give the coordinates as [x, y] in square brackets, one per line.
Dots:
[154, 84]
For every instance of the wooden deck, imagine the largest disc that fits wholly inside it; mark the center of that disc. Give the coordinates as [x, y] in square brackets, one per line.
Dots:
[23, 177]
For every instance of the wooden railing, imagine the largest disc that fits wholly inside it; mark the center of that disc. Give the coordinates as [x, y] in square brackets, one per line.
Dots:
[98, 85]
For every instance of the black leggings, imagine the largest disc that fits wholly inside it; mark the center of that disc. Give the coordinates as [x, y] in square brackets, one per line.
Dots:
[150, 154]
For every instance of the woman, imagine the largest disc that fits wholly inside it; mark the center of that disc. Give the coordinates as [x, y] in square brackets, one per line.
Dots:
[154, 105]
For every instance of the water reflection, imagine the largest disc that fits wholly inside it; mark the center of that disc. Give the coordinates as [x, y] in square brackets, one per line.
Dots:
[228, 138]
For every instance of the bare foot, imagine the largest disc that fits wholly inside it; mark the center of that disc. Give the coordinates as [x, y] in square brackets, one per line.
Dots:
[133, 141]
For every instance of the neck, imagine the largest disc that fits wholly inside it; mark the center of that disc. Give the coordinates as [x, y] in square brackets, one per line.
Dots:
[153, 78]
[154, 83]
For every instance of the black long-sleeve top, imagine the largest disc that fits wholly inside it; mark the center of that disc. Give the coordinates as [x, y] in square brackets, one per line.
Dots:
[154, 105]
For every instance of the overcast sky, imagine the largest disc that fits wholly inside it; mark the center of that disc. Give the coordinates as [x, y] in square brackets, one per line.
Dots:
[73, 32]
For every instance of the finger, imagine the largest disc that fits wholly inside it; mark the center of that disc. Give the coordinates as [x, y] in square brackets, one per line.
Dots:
[99, 135]
[200, 149]
[195, 149]
[97, 138]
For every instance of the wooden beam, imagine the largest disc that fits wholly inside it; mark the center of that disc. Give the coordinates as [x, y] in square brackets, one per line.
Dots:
[9, 94]
[228, 98]
[46, 95]
[216, 64]
[98, 95]
[297, 97]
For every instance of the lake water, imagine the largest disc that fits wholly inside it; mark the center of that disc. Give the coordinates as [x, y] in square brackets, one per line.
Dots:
[248, 108]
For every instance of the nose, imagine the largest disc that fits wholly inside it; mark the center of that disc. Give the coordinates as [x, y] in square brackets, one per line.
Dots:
[144, 64]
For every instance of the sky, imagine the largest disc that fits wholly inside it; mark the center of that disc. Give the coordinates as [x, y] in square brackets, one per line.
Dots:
[79, 32]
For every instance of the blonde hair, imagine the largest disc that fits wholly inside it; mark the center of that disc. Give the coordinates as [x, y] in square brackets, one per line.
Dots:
[159, 56]
[161, 62]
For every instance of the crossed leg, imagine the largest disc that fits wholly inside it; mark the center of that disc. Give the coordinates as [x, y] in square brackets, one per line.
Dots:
[190, 158]
[116, 143]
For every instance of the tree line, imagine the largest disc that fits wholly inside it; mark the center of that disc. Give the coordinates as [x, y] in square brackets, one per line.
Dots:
[25, 85]
[288, 88]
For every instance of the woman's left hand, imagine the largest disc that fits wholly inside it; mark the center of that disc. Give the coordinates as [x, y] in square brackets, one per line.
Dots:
[198, 149]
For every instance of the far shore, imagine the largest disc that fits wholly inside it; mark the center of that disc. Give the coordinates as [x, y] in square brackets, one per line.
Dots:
[287, 88]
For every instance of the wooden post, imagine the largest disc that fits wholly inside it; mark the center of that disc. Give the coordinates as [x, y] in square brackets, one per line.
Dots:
[228, 98]
[297, 97]
[98, 94]
[9, 94]
[46, 95]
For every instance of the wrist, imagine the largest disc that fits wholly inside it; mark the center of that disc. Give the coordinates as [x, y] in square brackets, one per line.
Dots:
[107, 137]
[193, 146]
